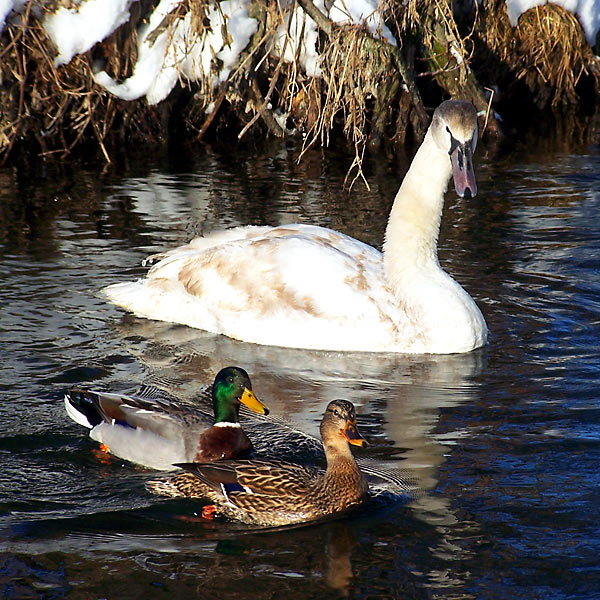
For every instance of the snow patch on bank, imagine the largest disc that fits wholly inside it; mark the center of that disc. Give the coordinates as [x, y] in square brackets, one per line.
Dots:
[169, 54]
[76, 30]
[362, 11]
[178, 52]
[297, 39]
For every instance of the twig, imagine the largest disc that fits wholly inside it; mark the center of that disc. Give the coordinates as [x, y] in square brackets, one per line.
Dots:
[489, 106]
[264, 113]
[278, 131]
[217, 104]
[317, 16]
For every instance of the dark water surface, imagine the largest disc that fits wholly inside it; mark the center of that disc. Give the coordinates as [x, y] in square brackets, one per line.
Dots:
[504, 442]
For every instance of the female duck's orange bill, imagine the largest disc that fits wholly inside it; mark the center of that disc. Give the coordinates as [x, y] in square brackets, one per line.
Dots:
[351, 434]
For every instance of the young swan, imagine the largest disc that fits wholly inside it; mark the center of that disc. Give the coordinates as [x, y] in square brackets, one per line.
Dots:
[305, 286]
[273, 493]
[157, 433]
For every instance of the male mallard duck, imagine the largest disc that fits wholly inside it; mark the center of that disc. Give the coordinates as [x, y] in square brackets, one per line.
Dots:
[272, 493]
[159, 433]
[301, 285]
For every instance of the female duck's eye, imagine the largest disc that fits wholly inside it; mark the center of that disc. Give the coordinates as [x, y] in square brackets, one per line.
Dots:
[448, 130]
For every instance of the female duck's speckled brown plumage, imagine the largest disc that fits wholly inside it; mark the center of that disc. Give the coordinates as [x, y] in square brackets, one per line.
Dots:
[272, 493]
[157, 433]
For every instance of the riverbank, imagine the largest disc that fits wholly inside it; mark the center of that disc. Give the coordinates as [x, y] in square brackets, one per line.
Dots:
[116, 72]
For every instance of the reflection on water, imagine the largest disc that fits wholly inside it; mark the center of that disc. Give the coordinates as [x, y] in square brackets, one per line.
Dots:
[499, 448]
[399, 398]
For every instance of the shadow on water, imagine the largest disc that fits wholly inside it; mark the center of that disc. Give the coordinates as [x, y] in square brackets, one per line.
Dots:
[496, 451]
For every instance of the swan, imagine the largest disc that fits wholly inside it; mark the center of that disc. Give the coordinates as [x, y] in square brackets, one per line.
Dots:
[305, 286]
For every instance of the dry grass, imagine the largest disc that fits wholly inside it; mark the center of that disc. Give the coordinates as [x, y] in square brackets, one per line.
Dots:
[342, 93]
[62, 107]
[555, 50]
[430, 18]
[547, 50]
[358, 92]
[362, 93]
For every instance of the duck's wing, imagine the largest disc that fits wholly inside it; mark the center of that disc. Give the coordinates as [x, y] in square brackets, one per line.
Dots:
[155, 433]
[162, 417]
[233, 479]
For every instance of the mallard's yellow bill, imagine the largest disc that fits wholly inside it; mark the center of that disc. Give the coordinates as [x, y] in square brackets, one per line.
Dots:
[253, 403]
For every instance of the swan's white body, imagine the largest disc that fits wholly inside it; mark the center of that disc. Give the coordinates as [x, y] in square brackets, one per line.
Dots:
[310, 287]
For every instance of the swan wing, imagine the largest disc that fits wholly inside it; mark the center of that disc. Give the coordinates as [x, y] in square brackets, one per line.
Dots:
[298, 286]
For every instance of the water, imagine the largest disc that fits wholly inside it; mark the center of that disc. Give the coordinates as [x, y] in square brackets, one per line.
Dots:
[503, 443]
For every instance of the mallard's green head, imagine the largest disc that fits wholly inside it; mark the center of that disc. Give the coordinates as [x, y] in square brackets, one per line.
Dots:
[232, 386]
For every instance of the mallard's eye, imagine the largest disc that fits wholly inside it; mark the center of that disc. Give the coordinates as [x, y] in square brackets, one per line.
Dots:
[230, 379]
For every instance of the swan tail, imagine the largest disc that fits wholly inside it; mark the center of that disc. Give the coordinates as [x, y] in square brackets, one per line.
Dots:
[126, 295]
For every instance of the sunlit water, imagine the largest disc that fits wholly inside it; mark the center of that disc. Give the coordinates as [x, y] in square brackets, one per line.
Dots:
[502, 443]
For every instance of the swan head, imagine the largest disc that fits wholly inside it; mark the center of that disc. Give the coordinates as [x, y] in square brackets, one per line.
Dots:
[454, 129]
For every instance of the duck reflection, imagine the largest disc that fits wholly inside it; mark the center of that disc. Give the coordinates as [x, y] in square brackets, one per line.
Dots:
[338, 564]
[335, 565]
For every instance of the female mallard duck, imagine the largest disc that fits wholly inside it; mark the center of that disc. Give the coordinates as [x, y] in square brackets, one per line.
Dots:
[305, 286]
[159, 433]
[273, 493]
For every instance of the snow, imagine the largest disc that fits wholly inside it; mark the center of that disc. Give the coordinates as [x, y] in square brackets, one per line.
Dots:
[302, 32]
[241, 28]
[587, 11]
[155, 73]
[177, 52]
[359, 11]
[6, 6]
[288, 41]
[169, 54]
[456, 53]
[76, 30]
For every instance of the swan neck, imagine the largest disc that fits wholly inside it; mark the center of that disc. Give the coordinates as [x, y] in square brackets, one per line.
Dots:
[414, 223]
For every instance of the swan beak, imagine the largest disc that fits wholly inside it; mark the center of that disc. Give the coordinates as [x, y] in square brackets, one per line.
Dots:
[462, 170]
[352, 436]
[253, 403]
